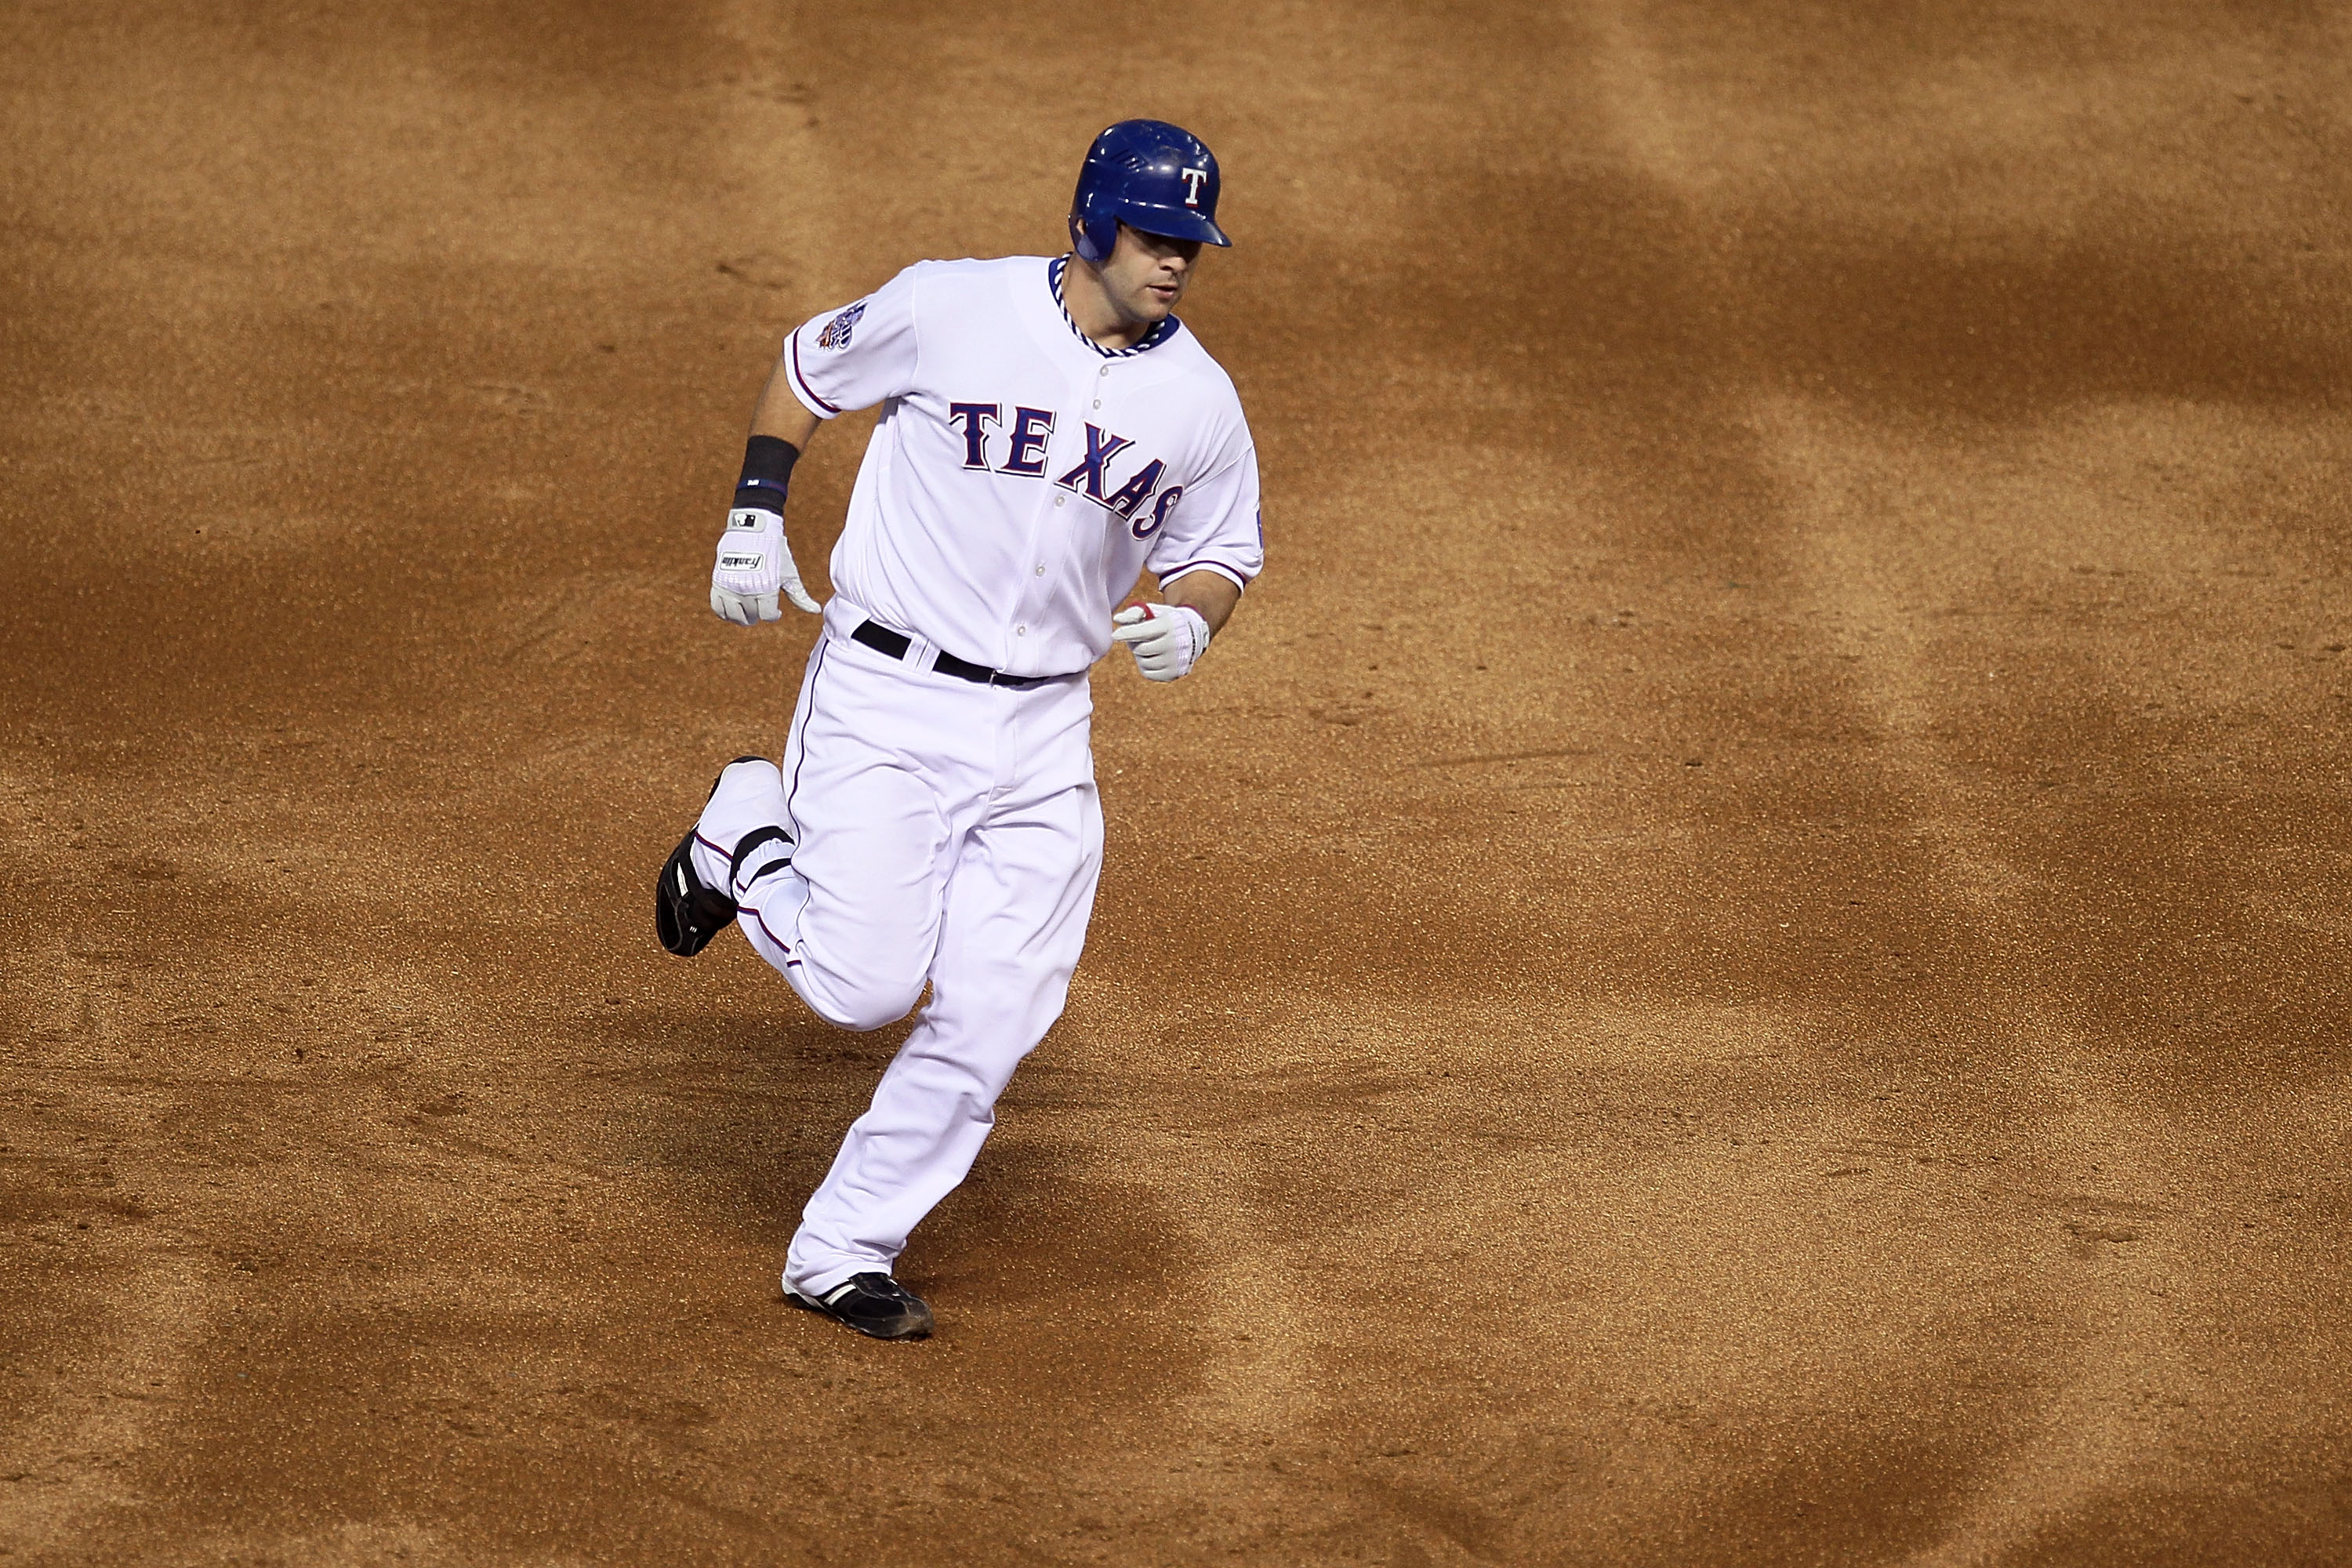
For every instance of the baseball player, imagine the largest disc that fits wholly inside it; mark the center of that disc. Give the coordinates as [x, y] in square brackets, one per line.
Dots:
[1049, 432]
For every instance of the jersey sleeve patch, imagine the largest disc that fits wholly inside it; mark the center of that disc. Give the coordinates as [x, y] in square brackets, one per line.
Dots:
[830, 372]
[836, 335]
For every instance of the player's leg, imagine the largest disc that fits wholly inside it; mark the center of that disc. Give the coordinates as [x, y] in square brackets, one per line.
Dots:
[837, 860]
[1013, 922]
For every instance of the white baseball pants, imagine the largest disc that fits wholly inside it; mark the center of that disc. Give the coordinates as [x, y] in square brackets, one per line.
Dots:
[942, 832]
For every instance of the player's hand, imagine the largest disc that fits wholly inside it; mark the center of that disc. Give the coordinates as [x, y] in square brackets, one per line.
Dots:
[754, 570]
[1167, 640]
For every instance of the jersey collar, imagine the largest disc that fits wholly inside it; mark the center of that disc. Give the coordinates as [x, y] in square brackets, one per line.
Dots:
[1168, 327]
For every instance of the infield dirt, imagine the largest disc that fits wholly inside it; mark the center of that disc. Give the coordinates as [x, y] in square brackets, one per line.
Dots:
[1740, 957]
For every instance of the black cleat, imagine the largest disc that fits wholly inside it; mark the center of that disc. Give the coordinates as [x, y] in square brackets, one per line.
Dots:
[875, 1305]
[686, 914]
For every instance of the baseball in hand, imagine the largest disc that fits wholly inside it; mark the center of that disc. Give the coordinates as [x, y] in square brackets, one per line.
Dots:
[1167, 640]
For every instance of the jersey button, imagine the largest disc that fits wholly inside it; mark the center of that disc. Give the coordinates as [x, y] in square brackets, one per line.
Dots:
[1041, 570]
[1021, 631]
[1106, 370]
[1059, 500]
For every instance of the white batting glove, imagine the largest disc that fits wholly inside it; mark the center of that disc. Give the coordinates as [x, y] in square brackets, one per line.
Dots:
[1167, 640]
[754, 567]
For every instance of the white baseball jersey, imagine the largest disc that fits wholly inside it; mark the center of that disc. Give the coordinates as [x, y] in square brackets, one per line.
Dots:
[1023, 476]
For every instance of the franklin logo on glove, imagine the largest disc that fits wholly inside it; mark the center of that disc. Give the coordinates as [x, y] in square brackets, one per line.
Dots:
[746, 584]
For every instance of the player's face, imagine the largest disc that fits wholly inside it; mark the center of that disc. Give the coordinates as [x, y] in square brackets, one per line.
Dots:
[1147, 273]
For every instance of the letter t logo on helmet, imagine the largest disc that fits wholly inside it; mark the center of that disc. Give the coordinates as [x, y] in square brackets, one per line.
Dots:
[1149, 175]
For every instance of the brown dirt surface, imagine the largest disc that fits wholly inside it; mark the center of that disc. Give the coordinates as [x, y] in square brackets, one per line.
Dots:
[1739, 958]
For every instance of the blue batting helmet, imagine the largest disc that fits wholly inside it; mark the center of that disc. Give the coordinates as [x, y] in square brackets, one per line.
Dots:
[1149, 175]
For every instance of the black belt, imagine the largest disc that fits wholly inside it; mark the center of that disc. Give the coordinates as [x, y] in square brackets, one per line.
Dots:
[882, 639]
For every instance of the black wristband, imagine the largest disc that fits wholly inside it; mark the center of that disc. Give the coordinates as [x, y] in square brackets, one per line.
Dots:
[767, 473]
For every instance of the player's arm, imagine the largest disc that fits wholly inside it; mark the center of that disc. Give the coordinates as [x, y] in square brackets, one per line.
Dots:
[855, 357]
[755, 567]
[1211, 594]
[1211, 546]
[782, 415]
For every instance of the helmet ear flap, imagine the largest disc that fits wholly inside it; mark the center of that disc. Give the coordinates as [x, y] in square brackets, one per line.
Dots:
[1094, 234]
